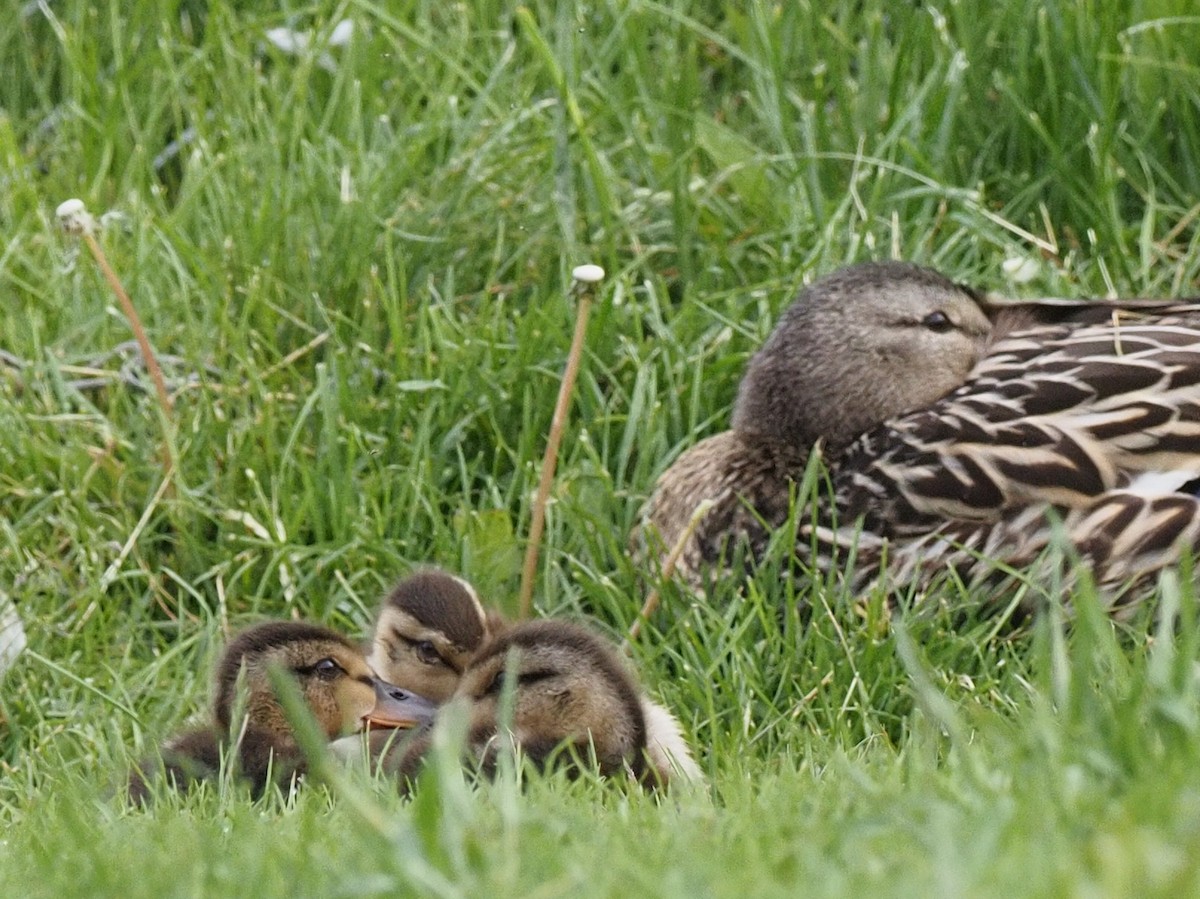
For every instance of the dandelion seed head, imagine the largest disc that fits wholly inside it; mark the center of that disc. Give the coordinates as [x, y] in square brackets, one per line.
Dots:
[588, 274]
[74, 217]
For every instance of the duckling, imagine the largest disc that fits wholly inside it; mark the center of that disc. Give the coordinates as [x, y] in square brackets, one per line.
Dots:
[431, 626]
[334, 680]
[857, 347]
[426, 631]
[573, 699]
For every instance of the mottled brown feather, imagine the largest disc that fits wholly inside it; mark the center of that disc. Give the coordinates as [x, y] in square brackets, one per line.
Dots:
[1072, 418]
[857, 347]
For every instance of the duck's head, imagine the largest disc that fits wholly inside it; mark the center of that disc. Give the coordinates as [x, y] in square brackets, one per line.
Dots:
[427, 630]
[568, 686]
[331, 672]
[858, 347]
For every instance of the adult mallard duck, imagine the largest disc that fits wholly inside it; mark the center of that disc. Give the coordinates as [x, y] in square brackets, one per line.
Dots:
[854, 349]
[432, 630]
[334, 680]
[1083, 417]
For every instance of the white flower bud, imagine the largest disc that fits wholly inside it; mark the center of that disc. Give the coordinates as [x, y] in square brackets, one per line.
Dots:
[12, 634]
[341, 34]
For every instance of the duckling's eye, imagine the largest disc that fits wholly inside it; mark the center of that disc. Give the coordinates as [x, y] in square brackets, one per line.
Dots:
[427, 652]
[496, 686]
[327, 669]
[938, 322]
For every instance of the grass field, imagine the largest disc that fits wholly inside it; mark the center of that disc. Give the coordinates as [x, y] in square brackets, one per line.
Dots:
[355, 259]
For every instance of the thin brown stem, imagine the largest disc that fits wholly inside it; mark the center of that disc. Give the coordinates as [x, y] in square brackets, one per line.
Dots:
[537, 522]
[135, 322]
[75, 219]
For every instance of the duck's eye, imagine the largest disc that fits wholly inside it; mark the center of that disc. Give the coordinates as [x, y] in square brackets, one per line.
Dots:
[427, 652]
[327, 669]
[496, 686]
[938, 322]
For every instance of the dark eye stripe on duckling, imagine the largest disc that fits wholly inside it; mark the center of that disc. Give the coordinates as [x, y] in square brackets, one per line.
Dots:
[415, 645]
[330, 673]
[524, 679]
[324, 668]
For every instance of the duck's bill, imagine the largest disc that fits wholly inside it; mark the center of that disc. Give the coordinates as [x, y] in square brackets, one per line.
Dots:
[397, 709]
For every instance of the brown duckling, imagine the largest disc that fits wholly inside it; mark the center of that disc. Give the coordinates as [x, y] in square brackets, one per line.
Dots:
[857, 347]
[573, 700]
[335, 681]
[427, 633]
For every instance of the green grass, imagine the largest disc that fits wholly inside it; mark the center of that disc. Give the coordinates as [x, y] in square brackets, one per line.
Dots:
[360, 271]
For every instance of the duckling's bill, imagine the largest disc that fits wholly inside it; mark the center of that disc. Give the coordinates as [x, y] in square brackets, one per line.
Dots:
[397, 709]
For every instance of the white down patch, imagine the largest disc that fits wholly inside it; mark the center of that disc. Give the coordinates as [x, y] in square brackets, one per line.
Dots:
[1159, 483]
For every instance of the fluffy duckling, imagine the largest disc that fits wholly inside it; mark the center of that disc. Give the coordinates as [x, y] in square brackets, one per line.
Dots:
[569, 690]
[427, 634]
[857, 347]
[334, 680]
[573, 700]
[426, 631]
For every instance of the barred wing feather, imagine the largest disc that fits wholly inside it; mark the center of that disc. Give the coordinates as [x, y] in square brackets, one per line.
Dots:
[1055, 415]
[1090, 427]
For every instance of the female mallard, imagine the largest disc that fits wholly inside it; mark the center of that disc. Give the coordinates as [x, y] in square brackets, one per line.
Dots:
[259, 745]
[432, 630]
[854, 349]
[1086, 413]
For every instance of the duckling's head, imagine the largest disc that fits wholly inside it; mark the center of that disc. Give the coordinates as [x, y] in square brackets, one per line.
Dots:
[332, 675]
[858, 347]
[568, 687]
[427, 630]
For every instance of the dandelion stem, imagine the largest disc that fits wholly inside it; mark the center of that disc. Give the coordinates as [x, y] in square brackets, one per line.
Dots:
[75, 219]
[135, 323]
[537, 523]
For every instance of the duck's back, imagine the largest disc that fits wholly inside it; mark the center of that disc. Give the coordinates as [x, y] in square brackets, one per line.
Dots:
[1096, 417]
[1057, 414]
[259, 759]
